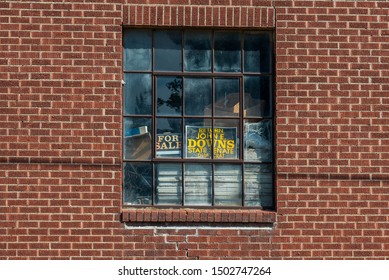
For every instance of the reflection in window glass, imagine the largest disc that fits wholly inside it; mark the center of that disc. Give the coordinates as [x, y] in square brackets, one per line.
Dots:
[168, 139]
[258, 141]
[257, 96]
[258, 183]
[228, 184]
[227, 52]
[198, 96]
[168, 50]
[198, 51]
[168, 184]
[169, 96]
[137, 138]
[137, 183]
[257, 52]
[227, 97]
[137, 49]
[137, 94]
[198, 184]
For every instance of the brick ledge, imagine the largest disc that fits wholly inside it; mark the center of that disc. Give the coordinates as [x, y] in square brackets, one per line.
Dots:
[185, 215]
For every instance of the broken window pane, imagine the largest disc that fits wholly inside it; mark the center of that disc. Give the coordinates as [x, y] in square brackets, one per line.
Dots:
[137, 183]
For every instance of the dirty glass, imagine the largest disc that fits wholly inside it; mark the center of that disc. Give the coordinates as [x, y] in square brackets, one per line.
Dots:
[198, 51]
[137, 183]
[227, 51]
[137, 45]
[137, 94]
[169, 96]
[168, 184]
[198, 96]
[198, 184]
[167, 50]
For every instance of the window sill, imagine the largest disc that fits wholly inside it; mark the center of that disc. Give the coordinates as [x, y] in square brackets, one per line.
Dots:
[187, 215]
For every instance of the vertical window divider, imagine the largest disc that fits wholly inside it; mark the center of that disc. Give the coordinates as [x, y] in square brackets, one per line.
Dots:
[242, 115]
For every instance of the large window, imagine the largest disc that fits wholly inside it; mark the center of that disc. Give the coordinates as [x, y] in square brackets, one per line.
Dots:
[198, 118]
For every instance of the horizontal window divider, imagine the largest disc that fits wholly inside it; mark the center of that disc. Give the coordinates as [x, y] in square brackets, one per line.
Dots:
[196, 160]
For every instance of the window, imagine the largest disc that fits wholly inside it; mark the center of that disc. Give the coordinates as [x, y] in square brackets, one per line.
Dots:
[198, 118]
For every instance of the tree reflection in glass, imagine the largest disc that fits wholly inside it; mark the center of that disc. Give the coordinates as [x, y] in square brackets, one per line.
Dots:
[169, 96]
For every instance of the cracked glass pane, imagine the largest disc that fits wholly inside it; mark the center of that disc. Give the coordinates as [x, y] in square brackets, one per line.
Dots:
[258, 141]
[137, 183]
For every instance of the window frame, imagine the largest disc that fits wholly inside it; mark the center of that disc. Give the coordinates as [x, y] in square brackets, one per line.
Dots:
[213, 75]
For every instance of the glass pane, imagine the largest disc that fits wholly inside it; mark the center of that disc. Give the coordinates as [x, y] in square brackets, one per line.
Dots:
[226, 139]
[168, 50]
[137, 138]
[169, 96]
[257, 96]
[228, 184]
[169, 139]
[198, 96]
[198, 51]
[168, 184]
[137, 183]
[226, 97]
[258, 141]
[197, 141]
[198, 184]
[137, 94]
[227, 52]
[258, 182]
[257, 52]
[137, 49]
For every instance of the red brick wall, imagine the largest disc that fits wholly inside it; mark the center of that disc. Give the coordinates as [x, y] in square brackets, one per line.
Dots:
[60, 132]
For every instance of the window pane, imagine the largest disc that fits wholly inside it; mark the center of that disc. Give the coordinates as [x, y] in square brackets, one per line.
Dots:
[258, 140]
[197, 141]
[257, 96]
[169, 139]
[137, 183]
[168, 184]
[198, 96]
[168, 50]
[226, 139]
[228, 184]
[198, 184]
[227, 52]
[257, 52]
[198, 51]
[137, 138]
[226, 97]
[258, 182]
[137, 94]
[137, 49]
[169, 96]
